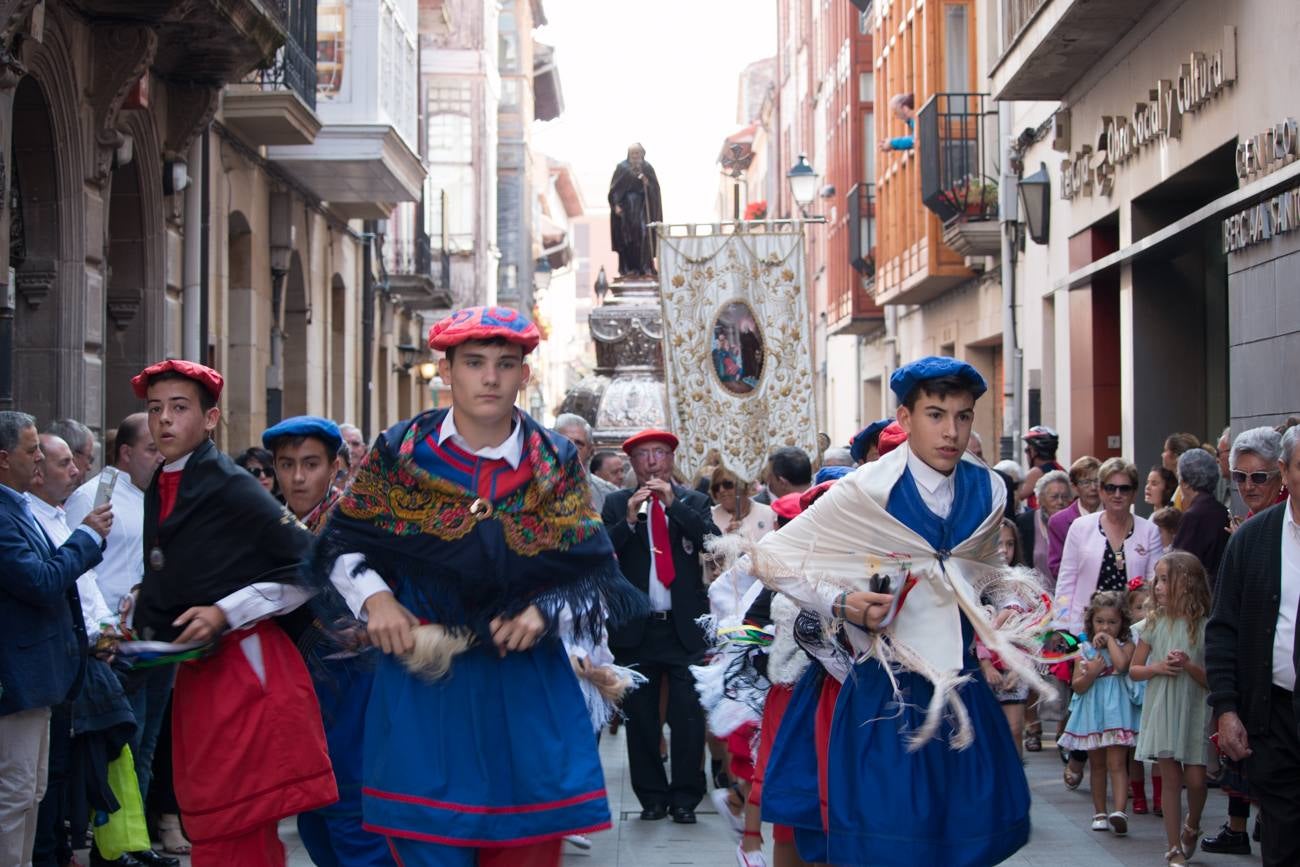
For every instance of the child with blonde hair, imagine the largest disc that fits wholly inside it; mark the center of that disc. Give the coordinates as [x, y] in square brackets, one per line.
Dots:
[1171, 656]
[1103, 717]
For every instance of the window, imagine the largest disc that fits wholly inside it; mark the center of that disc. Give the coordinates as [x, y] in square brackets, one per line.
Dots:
[864, 21]
[956, 58]
[331, 49]
[866, 87]
[450, 131]
[508, 48]
[869, 147]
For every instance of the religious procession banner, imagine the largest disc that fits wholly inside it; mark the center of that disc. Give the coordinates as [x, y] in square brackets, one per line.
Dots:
[736, 343]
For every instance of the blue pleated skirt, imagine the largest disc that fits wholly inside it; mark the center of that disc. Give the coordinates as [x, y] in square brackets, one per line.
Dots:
[888, 806]
[499, 752]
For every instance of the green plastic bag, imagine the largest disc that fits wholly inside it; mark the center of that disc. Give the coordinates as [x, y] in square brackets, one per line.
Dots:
[125, 830]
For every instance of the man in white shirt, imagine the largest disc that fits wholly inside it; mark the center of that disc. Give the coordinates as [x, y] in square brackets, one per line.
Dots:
[136, 458]
[1250, 660]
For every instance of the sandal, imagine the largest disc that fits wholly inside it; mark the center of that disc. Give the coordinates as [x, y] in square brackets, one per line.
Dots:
[1175, 858]
[1033, 742]
[1072, 781]
[1195, 834]
[171, 836]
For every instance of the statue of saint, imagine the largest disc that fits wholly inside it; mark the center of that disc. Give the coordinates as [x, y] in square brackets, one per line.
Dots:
[634, 203]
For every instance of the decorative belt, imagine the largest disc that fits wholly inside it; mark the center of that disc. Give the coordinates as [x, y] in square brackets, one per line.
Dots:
[660, 615]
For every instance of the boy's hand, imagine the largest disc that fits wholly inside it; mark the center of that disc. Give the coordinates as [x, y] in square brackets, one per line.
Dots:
[202, 623]
[519, 632]
[389, 624]
[867, 609]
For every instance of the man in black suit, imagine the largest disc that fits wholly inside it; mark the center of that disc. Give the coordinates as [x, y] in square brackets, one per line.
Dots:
[42, 633]
[1250, 660]
[658, 532]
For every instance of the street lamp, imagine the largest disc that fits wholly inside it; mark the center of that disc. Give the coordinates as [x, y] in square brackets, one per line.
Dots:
[428, 370]
[803, 183]
[1036, 199]
[406, 353]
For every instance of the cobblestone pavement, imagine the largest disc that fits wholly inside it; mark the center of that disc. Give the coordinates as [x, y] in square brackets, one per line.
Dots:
[1061, 836]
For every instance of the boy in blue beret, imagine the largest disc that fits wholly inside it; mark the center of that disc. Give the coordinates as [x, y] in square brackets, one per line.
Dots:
[883, 724]
[305, 453]
[864, 445]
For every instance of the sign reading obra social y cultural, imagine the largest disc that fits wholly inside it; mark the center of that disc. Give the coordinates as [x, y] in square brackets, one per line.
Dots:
[1092, 172]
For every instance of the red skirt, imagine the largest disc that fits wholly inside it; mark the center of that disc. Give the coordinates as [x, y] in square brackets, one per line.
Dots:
[778, 698]
[247, 742]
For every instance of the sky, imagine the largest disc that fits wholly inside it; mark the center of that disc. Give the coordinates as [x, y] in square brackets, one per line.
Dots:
[663, 73]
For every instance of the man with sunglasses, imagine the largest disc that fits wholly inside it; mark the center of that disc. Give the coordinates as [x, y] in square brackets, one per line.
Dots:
[658, 532]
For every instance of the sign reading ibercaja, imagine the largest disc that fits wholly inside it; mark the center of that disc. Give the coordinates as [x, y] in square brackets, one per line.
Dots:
[1260, 222]
[1121, 137]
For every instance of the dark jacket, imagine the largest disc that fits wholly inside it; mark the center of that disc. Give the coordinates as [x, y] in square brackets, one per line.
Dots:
[42, 634]
[689, 522]
[1203, 531]
[1239, 635]
[224, 533]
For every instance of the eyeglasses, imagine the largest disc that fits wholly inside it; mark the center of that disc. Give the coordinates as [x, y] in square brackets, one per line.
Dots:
[647, 454]
[261, 472]
[1119, 489]
[1085, 483]
[1259, 478]
[725, 485]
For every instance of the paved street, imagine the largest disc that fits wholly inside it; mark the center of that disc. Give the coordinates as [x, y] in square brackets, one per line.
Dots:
[1061, 835]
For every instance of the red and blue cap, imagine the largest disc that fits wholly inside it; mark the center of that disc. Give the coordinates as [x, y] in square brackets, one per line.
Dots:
[481, 324]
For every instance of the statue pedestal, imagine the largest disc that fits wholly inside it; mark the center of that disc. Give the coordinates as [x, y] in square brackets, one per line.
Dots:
[626, 394]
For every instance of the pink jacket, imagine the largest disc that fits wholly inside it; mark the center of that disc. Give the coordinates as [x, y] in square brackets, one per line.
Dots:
[1085, 546]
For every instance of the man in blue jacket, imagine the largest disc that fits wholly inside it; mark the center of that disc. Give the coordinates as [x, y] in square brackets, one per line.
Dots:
[42, 634]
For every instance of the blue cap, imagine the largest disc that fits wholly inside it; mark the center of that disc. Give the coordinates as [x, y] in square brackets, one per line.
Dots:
[861, 443]
[908, 377]
[828, 474]
[305, 426]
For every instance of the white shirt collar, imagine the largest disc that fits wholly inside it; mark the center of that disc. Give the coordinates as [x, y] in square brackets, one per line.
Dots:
[1289, 519]
[42, 508]
[925, 475]
[178, 464]
[511, 450]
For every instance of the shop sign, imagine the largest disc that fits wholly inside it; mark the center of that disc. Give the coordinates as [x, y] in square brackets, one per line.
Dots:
[1260, 222]
[1120, 138]
[1268, 151]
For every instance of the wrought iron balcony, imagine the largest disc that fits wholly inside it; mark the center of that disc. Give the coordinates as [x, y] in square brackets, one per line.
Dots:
[957, 144]
[276, 104]
[862, 231]
[411, 274]
[294, 67]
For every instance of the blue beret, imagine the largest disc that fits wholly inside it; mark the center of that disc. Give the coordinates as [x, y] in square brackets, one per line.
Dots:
[305, 426]
[861, 443]
[827, 474]
[910, 376]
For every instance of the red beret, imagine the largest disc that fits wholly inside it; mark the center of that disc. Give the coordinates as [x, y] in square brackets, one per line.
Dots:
[788, 506]
[484, 323]
[890, 438]
[206, 377]
[650, 436]
[810, 496]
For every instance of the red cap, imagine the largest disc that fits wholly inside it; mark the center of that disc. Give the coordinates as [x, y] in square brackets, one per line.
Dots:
[891, 438]
[788, 506]
[484, 323]
[810, 496]
[206, 377]
[650, 436]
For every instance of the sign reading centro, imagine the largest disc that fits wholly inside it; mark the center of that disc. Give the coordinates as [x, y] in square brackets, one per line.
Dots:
[1120, 138]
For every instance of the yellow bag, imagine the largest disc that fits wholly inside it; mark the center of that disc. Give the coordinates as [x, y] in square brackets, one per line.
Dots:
[125, 830]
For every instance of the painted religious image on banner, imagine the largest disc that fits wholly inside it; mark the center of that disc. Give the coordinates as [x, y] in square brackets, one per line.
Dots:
[737, 349]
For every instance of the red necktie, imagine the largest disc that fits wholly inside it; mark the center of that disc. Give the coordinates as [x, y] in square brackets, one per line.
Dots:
[169, 485]
[660, 544]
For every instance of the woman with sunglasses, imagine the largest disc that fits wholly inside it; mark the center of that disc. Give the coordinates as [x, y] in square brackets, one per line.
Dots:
[260, 465]
[735, 512]
[1254, 472]
[1107, 548]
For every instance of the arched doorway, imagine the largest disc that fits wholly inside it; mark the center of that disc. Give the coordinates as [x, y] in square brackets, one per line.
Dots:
[338, 365]
[243, 367]
[297, 314]
[35, 234]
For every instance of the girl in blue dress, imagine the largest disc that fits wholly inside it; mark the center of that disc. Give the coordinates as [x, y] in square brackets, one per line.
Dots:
[1103, 717]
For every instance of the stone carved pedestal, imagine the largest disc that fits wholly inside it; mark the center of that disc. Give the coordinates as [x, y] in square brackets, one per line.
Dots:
[626, 394]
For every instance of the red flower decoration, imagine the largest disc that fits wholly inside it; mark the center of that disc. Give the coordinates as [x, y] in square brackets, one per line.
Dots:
[1136, 583]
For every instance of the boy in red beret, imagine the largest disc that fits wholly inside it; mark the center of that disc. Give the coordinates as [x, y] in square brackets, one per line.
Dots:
[221, 558]
[466, 542]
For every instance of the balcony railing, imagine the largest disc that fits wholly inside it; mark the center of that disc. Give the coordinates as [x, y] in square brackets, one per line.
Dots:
[957, 144]
[294, 67]
[1015, 15]
[862, 231]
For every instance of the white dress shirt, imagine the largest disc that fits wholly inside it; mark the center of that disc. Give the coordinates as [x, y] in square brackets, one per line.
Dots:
[356, 585]
[661, 597]
[94, 610]
[1285, 633]
[937, 490]
[123, 564]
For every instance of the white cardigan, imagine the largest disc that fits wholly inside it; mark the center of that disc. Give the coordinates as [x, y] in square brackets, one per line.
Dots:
[1081, 558]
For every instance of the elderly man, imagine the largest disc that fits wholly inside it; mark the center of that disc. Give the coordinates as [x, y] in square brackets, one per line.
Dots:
[838, 456]
[1250, 659]
[658, 532]
[576, 430]
[1203, 530]
[1087, 499]
[356, 445]
[80, 439]
[1053, 493]
[788, 471]
[42, 634]
[609, 466]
